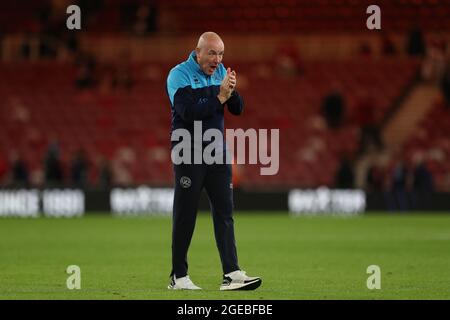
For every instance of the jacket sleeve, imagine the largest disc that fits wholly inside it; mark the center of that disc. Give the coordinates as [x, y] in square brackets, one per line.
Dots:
[182, 97]
[235, 103]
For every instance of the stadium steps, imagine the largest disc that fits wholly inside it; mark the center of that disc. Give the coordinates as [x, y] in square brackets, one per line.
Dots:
[415, 106]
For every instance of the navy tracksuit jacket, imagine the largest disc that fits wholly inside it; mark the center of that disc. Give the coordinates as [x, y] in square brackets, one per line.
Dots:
[193, 97]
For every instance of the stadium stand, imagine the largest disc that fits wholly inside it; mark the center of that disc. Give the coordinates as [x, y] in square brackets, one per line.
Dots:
[430, 143]
[131, 128]
[129, 125]
[264, 16]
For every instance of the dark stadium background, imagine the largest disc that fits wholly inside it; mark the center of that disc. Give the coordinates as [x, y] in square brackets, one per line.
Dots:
[363, 118]
[87, 109]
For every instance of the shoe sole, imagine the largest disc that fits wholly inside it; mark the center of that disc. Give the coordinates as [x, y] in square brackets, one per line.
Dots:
[243, 286]
[172, 288]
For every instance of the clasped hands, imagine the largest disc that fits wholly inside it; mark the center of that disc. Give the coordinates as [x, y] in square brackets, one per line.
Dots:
[227, 86]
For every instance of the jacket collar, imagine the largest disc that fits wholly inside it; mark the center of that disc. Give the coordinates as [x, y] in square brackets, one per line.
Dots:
[194, 64]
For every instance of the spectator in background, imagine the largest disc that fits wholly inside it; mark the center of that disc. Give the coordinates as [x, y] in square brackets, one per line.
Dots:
[333, 109]
[105, 174]
[19, 112]
[422, 179]
[445, 86]
[19, 172]
[55, 40]
[415, 44]
[25, 46]
[45, 31]
[79, 169]
[345, 178]
[423, 185]
[146, 19]
[52, 165]
[433, 65]
[399, 182]
[47, 47]
[71, 43]
[367, 118]
[374, 179]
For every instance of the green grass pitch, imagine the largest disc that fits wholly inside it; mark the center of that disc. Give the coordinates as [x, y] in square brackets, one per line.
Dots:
[298, 258]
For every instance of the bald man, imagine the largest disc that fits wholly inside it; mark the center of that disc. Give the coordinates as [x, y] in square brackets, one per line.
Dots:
[200, 89]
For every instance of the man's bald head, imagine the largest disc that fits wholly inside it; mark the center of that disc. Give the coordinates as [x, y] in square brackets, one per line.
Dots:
[209, 51]
[208, 38]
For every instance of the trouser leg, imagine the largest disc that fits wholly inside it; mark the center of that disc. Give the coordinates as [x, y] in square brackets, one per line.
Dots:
[188, 186]
[218, 186]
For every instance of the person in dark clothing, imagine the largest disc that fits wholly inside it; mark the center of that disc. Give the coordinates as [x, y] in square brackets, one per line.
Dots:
[345, 177]
[105, 174]
[370, 136]
[146, 19]
[416, 43]
[367, 118]
[423, 186]
[52, 166]
[399, 177]
[71, 42]
[399, 187]
[19, 173]
[374, 179]
[201, 89]
[25, 46]
[422, 179]
[333, 109]
[79, 169]
[445, 86]
[387, 45]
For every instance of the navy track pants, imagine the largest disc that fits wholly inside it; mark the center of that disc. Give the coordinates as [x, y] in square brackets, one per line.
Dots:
[190, 179]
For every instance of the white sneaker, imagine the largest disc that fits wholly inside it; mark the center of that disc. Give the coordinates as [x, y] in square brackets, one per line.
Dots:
[238, 280]
[184, 283]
